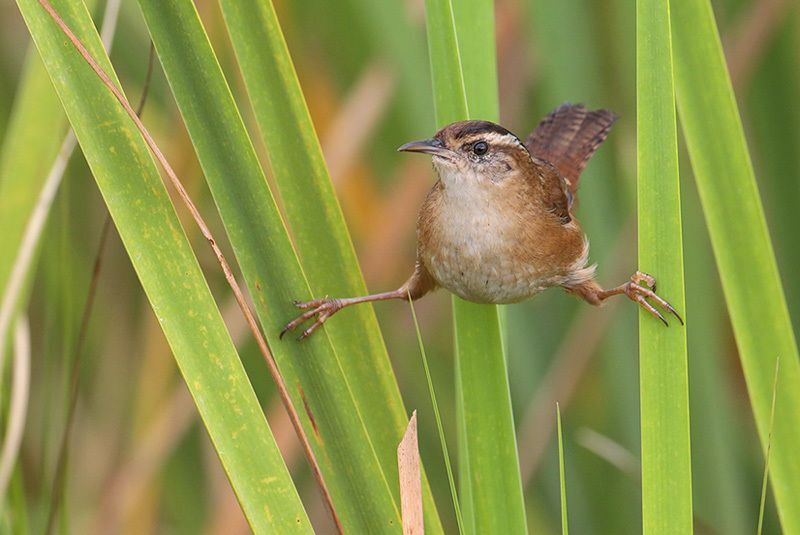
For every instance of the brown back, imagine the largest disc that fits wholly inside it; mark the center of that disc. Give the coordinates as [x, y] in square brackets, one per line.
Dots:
[568, 137]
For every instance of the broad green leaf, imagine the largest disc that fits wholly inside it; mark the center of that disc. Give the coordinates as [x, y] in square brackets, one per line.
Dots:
[760, 528]
[168, 270]
[318, 228]
[774, 128]
[721, 488]
[491, 489]
[353, 413]
[664, 388]
[474, 23]
[328, 259]
[741, 242]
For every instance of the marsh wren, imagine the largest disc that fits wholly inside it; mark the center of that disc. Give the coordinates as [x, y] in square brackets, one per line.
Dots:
[498, 224]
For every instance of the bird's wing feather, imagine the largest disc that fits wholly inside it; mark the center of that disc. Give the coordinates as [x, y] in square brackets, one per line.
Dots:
[555, 193]
[568, 137]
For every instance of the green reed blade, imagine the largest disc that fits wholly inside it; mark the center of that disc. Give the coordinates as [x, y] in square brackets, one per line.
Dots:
[666, 455]
[561, 477]
[740, 240]
[465, 87]
[357, 456]
[169, 273]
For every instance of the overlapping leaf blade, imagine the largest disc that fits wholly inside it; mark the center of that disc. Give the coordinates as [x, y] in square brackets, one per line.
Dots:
[353, 413]
[317, 225]
[168, 271]
[663, 368]
[465, 87]
[740, 240]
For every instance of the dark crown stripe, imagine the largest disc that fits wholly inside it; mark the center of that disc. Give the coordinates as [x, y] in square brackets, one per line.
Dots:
[467, 129]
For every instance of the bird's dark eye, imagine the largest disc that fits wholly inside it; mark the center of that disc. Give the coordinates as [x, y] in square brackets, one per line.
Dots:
[480, 148]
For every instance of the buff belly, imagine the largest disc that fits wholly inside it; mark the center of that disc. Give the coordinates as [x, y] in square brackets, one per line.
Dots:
[482, 282]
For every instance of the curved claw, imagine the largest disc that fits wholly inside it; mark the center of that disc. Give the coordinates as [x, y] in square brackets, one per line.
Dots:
[322, 309]
[639, 293]
[651, 309]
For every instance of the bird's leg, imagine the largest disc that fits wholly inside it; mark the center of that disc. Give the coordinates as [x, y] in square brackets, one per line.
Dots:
[322, 309]
[415, 287]
[639, 288]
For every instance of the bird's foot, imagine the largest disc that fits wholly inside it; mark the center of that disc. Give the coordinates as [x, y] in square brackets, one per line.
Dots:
[642, 287]
[319, 309]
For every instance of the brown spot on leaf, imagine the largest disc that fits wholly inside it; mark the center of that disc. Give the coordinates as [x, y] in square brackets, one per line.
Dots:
[307, 408]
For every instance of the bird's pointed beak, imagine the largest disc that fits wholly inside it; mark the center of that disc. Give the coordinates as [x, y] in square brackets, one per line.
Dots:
[428, 146]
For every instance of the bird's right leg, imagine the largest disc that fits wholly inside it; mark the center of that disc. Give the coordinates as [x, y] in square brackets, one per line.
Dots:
[417, 285]
[322, 309]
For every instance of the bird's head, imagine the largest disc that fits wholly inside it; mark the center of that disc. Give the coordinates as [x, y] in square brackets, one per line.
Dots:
[473, 151]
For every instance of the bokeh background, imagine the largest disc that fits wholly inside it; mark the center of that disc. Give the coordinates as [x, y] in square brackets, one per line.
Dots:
[139, 459]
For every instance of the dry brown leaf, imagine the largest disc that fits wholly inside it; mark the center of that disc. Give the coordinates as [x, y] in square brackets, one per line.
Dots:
[410, 485]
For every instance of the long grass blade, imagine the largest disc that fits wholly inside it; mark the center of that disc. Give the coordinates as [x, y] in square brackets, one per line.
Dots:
[24, 256]
[561, 476]
[740, 239]
[663, 366]
[215, 247]
[319, 230]
[169, 272]
[721, 486]
[367, 499]
[491, 488]
[765, 478]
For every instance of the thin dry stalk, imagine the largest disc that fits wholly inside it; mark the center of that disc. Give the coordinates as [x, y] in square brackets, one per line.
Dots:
[30, 239]
[18, 406]
[611, 451]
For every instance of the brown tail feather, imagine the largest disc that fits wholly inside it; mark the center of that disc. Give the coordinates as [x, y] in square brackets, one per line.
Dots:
[568, 137]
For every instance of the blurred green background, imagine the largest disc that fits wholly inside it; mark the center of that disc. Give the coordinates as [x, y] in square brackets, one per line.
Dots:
[140, 461]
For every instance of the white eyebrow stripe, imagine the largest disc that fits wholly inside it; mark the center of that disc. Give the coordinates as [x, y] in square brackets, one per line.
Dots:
[508, 139]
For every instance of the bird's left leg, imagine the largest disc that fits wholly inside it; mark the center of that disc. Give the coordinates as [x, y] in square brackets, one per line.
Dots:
[639, 288]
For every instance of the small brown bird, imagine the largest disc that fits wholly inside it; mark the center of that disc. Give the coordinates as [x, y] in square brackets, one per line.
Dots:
[498, 225]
